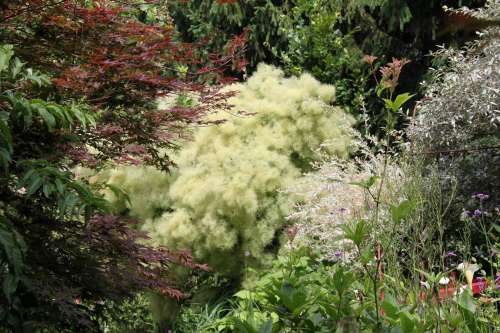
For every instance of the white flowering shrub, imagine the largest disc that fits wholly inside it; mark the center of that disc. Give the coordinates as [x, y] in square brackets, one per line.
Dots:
[224, 199]
[331, 197]
[458, 123]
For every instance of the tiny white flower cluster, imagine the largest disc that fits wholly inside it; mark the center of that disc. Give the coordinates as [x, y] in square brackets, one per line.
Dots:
[330, 198]
[458, 120]
[464, 100]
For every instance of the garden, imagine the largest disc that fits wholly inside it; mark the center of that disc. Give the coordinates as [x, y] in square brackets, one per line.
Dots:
[257, 166]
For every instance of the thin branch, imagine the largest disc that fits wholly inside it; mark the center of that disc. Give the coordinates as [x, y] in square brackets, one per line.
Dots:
[458, 151]
[28, 8]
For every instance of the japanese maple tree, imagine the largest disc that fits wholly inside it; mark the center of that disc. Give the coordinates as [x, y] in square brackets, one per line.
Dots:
[79, 81]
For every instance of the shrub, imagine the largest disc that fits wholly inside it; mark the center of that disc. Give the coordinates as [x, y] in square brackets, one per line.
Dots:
[317, 44]
[330, 198]
[224, 200]
[457, 123]
[129, 316]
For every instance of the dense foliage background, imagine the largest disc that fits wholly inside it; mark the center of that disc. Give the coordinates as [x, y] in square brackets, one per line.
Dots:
[328, 38]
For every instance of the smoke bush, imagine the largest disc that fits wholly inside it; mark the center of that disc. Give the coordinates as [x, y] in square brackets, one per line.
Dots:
[224, 202]
[147, 190]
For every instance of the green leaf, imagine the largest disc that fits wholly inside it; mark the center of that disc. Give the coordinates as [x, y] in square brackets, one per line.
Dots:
[291, 297]
[13, 248]
[390, 306]
[40, 79]
[17, 66]
[9, 286]
[27, 116]
[356, 231]
[6, 53]
[48, 118]
[401, 211]
[380, 89]
[80, 116]
[433, 278]
[59, 186]
[34, 185]
[243, 326]
[118, 192]
[389, 104]
[58, 112]
[6, 145]
[26, 177]
[268, 327]
[366, 184]
[48, 189]
[407, 322]
[398, 102]
[6, 135]
[342, 280]
[5, 158]
[244, 294]
[466, 301]
[12, 245]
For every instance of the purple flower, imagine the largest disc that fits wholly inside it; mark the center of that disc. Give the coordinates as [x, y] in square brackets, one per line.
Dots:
[477, 213]
[481, 196]
[338, 253]
[497, 281]
[450, 254]
[465, 214]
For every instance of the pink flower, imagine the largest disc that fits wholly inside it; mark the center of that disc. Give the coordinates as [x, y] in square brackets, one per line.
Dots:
[390, 73]
[369, 59]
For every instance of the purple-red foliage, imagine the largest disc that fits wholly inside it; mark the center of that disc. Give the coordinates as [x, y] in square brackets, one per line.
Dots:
[105, 55]
[101, 53]
[108, 233]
